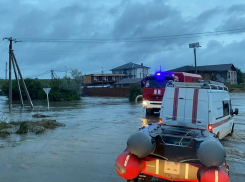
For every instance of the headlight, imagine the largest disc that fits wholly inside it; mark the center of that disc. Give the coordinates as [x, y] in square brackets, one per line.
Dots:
[144, 103]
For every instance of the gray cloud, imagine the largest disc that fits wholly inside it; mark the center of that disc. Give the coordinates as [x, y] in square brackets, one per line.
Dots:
[110, 20]
[237, 9]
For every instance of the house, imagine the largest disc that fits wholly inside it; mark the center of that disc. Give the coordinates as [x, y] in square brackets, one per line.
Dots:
[125, 83]
[132, 70]
[225, 73]
[96, 80]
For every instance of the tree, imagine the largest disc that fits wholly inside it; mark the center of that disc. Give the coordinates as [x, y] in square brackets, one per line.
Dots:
[78, 77]
[134, 91]
[239, 75]
[65, 89]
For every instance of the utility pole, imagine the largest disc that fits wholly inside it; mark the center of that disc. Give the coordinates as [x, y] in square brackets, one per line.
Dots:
[10, 39]
[52, 74]
[13, 60]
[6, 71]
[102, 73]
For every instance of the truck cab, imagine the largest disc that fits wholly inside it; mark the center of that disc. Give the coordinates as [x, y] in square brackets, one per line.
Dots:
[154, 87]
[206, 105]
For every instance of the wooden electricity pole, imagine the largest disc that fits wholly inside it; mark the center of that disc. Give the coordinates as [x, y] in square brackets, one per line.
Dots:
[10, 69]
[6, 71]
[13, 60]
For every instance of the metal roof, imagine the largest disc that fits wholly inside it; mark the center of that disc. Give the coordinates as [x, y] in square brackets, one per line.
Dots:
[129, 66]
[129, 81]
[207, 68]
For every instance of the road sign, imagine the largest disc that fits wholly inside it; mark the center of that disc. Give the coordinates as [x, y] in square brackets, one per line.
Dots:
[194, 45]
[47, 90]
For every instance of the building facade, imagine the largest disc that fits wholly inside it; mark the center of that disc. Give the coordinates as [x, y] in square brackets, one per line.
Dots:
[105, 80]
[225, 73]
[132, 70]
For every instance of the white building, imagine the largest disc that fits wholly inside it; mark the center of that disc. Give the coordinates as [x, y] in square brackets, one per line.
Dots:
[132, 70]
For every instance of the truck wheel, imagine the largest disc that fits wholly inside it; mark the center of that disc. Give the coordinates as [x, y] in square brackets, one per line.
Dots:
[232, 130]
[149, 111]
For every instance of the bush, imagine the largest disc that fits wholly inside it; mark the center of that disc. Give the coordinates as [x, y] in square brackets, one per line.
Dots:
[34, 87]
[134, 91]
[65, 89]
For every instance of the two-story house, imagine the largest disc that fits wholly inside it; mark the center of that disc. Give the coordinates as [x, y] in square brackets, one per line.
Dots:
[102, 79]
[132, 70]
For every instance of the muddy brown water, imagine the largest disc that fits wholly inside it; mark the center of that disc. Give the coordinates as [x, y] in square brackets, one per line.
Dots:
[86, 148]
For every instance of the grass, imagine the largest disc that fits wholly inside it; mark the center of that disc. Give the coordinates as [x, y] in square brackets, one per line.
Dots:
[24, 127]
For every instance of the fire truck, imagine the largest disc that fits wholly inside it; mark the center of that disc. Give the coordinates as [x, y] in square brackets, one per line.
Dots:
[154, 87]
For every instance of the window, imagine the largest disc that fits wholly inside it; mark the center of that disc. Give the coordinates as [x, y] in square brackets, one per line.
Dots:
[225, 108]
[155, 83]
[192, 79]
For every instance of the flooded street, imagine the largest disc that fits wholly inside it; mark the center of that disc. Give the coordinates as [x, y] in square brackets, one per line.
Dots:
[85, 149]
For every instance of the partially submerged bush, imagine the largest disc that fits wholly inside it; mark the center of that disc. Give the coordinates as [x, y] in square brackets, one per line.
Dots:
[27, 126]
[23, 128]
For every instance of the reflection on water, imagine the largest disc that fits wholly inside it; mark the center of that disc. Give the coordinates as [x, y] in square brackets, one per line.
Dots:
[148, 119]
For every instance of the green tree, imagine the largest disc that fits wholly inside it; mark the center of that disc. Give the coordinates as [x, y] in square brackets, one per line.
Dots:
[134, 91]
[239, 75]
[66, 89]
[78, 77]
[34, 87]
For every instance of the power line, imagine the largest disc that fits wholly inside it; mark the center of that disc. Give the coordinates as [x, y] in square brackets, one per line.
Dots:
[138, 39]
[129, 52]
[3, 44]
[44, 73]
[40, 74]
[4, 51]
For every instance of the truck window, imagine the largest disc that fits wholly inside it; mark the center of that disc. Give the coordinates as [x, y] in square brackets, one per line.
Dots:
[155, 83]
[225, 108]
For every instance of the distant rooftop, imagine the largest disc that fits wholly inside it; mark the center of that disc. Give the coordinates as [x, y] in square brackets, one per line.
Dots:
[129, 66]
[207, 68]
[129, 81]
[105, 74]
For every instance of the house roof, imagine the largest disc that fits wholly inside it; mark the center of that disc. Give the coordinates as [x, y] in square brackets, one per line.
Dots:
[106, 74]
[207, 68]
[129, 66]
[129, 81]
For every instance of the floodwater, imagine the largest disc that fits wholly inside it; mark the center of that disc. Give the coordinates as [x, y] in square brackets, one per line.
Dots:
[86, 148]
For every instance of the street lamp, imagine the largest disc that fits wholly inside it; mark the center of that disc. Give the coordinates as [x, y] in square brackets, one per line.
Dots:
[195, 46]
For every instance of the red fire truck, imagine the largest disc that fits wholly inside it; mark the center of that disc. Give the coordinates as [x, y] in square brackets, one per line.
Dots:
[154, 87]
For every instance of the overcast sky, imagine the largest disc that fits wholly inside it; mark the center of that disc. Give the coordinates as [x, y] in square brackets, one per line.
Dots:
[96, 34]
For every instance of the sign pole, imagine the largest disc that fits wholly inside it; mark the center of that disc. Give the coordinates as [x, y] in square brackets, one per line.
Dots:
[195, 46]
[47, 90]
[48, 101]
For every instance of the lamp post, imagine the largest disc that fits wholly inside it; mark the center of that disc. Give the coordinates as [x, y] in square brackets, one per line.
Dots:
[195, 46]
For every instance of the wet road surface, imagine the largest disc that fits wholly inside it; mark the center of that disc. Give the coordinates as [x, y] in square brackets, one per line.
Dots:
[86, 148]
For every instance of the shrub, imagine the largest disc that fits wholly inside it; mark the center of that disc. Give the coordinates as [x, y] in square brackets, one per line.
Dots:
[134, 91]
